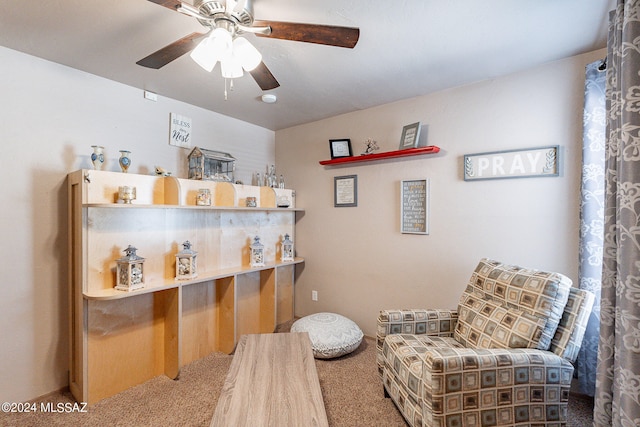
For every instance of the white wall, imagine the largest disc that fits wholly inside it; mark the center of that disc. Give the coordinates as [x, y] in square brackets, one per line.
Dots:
[50, 115]
[357, 259]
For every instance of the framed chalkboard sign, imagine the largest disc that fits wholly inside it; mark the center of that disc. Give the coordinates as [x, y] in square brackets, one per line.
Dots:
[345, 191]
[414, 206]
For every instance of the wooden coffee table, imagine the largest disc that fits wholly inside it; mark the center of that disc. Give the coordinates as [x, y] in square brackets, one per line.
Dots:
[272, 381]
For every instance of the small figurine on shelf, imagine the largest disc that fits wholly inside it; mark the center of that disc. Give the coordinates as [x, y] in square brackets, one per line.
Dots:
[257, 253]
[160, 171]
[287, 249]
[186, 266]
[370, 146]
[130, 271]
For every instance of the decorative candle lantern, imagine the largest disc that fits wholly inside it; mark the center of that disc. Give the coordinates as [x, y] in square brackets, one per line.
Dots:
[186, 267]
[257, 253]
[211, 165]
[287, 249]
[127, 194]
[130, 271]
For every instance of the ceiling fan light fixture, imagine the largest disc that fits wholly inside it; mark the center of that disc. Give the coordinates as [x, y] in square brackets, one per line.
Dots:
[222, 43]
[248, 55]
[204, 54]
[216, 47]
[231, 67]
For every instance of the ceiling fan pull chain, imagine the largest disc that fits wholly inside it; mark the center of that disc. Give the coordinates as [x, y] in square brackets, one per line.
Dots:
[226, 97]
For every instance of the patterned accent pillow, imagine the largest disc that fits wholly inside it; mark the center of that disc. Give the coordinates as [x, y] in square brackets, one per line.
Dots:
[483, 323]
[539, 293]
[568, 338]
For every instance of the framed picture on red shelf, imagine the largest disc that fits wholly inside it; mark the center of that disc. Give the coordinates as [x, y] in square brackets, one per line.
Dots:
[340, 148]
[410, 136]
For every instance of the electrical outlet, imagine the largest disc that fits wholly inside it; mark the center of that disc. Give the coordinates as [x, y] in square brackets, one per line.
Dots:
[314, 295]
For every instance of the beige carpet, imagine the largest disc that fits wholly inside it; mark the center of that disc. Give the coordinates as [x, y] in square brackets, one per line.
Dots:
[350, 385]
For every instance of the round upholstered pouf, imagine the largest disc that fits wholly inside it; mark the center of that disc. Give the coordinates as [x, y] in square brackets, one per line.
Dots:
[331, 335]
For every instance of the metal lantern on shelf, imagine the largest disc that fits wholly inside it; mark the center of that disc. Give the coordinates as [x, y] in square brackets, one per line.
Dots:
[186, 265]
[287, 249]
[257, 253]
[210, 165]
[130, 271]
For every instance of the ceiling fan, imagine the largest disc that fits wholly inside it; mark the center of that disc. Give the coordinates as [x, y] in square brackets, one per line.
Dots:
[226, 21]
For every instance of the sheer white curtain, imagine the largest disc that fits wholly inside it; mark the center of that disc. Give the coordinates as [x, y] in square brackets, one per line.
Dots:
[592, 216]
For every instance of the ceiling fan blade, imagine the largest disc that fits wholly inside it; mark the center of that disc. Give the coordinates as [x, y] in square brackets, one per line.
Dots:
[263, 77]
[171, 52]
[169, 4]
[330, 35]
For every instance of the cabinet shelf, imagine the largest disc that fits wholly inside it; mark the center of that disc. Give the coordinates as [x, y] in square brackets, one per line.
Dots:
[170, 206]
[119, 339]
[431, 149]
[112, 293]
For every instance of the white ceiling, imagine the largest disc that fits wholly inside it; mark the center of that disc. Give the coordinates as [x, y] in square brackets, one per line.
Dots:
[407, 48]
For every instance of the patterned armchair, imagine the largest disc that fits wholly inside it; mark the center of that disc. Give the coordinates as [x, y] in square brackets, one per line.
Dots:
[503, 358]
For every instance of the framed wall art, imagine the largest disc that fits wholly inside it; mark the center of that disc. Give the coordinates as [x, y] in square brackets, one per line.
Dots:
[345, 191]
[520, 163]
[414, 206]
[180, 130]
[410, 136]
[340, 148]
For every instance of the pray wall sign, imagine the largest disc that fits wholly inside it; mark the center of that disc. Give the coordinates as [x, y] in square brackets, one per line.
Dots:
[523, 163]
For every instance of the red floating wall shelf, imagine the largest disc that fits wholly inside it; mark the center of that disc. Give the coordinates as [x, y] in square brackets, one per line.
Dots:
[431, 149]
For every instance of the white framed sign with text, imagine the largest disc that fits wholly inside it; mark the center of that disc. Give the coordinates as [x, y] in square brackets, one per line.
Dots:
[180, 131]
